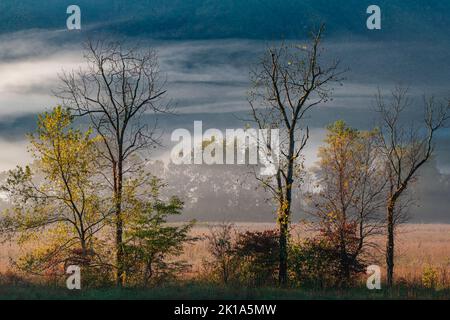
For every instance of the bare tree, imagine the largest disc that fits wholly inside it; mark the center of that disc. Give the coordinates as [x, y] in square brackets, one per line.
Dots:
[288, 82]
[405, 147]
[116, 90]
[220, 246]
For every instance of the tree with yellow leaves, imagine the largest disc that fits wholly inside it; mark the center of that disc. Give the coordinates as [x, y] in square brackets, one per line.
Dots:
[56, 206]
[349, 196]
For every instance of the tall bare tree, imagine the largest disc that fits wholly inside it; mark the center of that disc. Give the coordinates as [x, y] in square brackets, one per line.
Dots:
[288, 82]
[116, 90]
[406, 147]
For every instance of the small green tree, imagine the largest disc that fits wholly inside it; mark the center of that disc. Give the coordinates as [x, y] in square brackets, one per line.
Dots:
[152, 245]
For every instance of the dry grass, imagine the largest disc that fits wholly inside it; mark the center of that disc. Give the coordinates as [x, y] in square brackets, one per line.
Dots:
[418, 246]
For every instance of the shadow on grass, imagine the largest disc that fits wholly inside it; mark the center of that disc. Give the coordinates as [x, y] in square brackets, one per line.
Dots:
[195, 291]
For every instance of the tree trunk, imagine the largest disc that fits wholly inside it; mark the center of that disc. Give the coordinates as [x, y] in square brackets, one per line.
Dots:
[344, 263]
[282, 276]
[120, 277]
[225, 273]
[390, 245]
[284, 217]
[283, 220]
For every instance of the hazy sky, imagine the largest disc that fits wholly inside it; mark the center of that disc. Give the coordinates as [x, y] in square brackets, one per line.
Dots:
[208, 71]
[208, 79]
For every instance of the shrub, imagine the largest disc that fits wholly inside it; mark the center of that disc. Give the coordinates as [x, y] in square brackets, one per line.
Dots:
[220, 246]
[429, 277]
[258, 256]
[314, 263]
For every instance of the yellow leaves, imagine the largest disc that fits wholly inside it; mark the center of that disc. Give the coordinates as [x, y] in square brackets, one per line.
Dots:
[40, 249]
[60, 202]
[344, 163]
[343, 149]
[206, 143]
[429, 277]
[332, 215]
[283, 214]
[62, 153]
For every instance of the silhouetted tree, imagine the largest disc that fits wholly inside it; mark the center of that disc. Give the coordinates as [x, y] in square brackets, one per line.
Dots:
[288, 82]
[405, 148]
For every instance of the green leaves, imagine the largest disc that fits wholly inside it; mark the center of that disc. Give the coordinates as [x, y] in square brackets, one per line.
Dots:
[152, 244]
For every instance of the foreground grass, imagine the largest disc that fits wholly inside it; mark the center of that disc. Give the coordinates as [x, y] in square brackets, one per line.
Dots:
[209, 292]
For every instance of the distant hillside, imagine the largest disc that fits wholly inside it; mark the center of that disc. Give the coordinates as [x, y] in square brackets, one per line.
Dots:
[199, 19]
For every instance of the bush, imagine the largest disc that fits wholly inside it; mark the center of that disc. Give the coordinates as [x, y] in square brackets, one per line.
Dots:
[220, 245]
[429, 277]
[258, 255]
[314, 263]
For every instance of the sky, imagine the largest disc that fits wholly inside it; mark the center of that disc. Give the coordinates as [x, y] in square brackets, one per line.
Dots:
[206, 48]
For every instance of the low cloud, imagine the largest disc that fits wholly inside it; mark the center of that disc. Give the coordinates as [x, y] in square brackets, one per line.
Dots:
[208, 80]
[13, 154]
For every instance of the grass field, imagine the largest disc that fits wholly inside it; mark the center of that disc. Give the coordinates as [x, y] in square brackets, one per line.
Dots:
[418, 247]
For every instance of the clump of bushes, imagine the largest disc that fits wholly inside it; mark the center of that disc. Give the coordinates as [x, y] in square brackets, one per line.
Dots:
[10, 278]
[314, 263]
[246, 258]
[251, 258]
[258, 253]
[321, 262]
